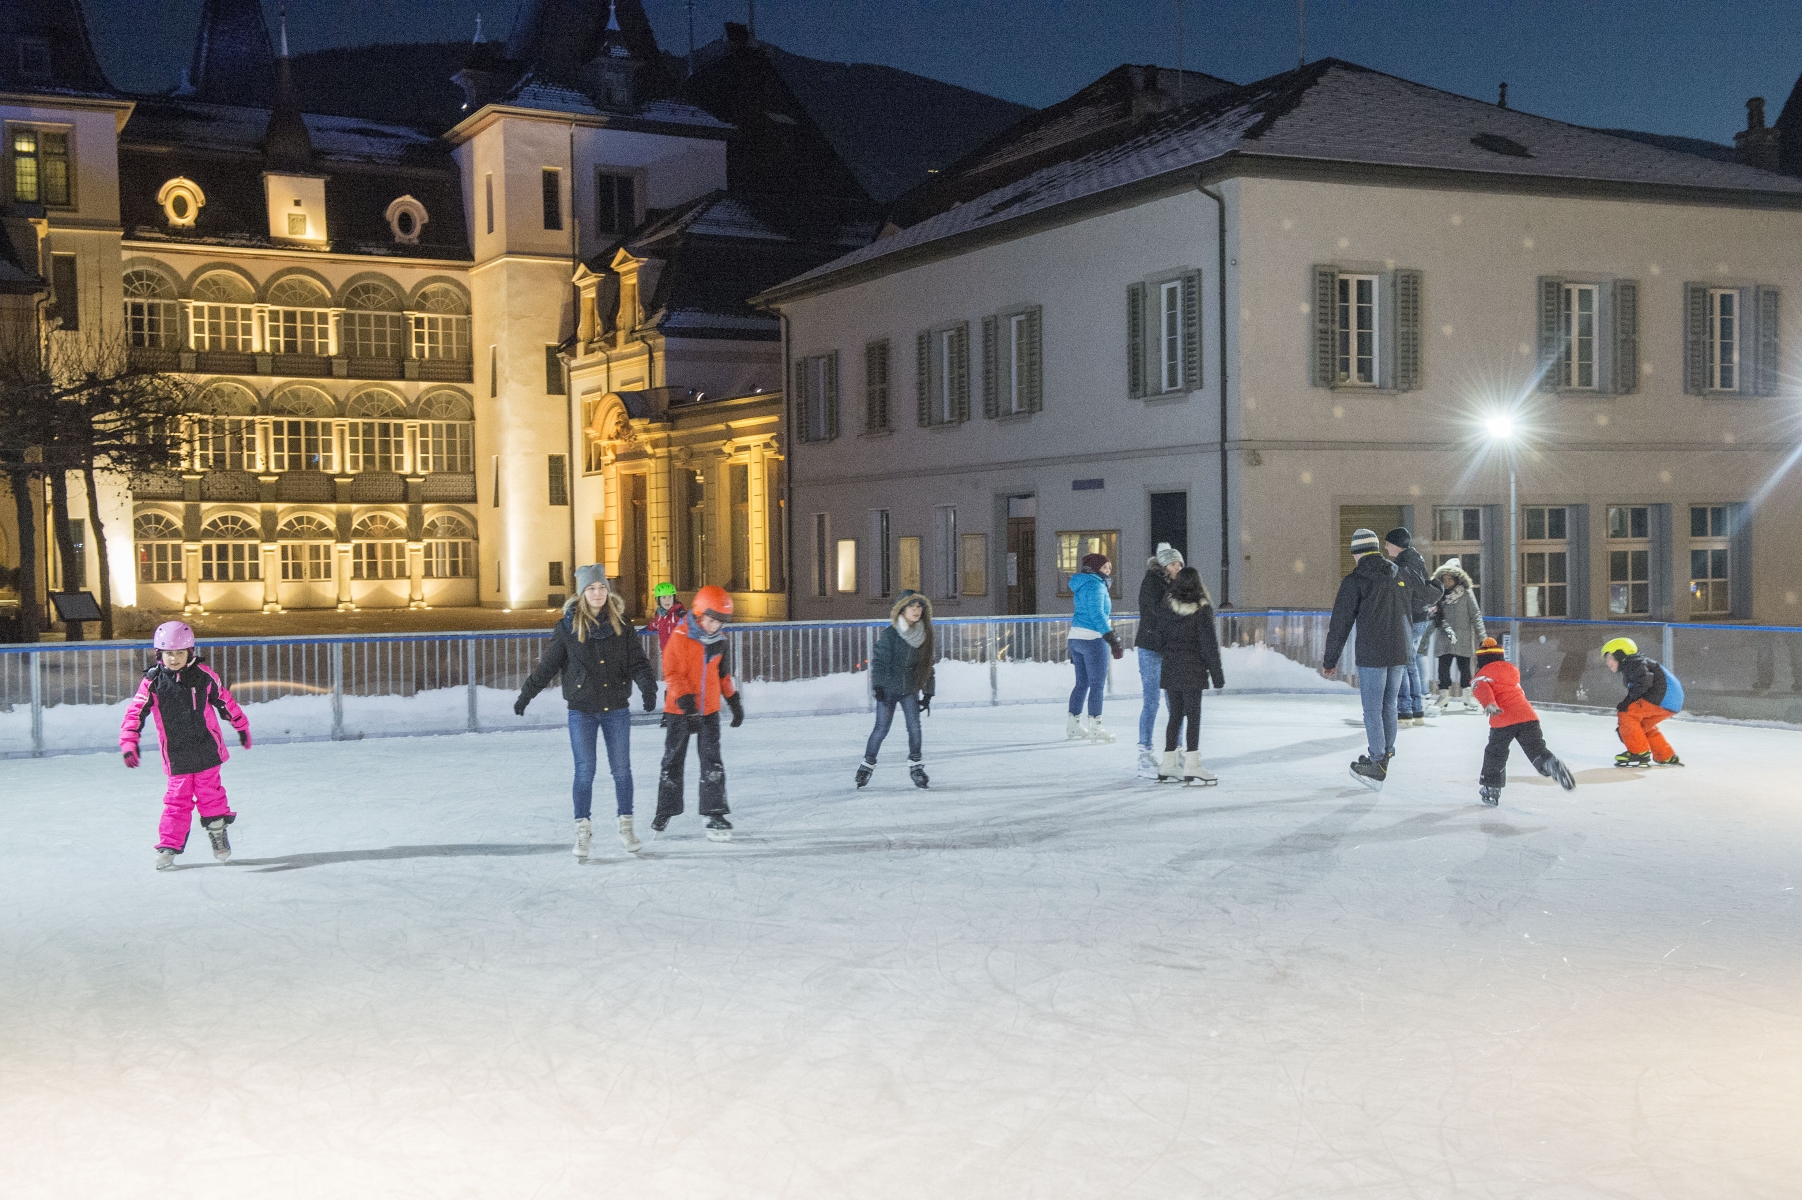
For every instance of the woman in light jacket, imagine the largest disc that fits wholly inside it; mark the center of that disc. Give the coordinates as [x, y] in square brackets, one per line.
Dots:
[1091, 640]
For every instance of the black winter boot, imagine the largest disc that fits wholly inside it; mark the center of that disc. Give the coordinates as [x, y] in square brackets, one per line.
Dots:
[918, 772]
[865, 769]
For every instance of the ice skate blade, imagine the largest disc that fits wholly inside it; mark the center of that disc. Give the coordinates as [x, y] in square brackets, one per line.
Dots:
[1200, 783]
[1375, 785]
[719, 835]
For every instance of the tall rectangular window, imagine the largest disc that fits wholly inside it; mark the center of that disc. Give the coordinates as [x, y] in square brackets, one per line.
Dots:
[488, 196]
[973, 564]
[41, 167]
[1723, 340]
[1019, 327]
[945, 551]
[875, 384]
[1579, 329]
[1710, 560]
[65, 289]
[885, 563]
[944, 402]
[944, 375]
[553, 372]
[556, 574]
[552, 180]
[494, 371]
[1545, 562]
[847, 565]
[1356, 329]
[494, 491]
[907, 563]
[738, 488]
[559, 479]
[816, 378]
[1170, 336]
[1073, 545]
[615, 204]
[822, 563]
[1458, 534]
[694, 507]
[1629, 560]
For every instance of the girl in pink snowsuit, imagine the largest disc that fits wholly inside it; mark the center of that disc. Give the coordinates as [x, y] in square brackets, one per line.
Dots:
[185, 696]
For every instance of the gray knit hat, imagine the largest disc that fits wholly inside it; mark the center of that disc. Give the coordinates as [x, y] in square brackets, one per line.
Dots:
[1168, 554]
[592, 573]
[1365, 541]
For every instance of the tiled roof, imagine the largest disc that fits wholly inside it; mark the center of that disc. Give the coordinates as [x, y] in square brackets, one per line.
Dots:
[1336, 112]
[233, 61]
[59, 24]
[536, 91]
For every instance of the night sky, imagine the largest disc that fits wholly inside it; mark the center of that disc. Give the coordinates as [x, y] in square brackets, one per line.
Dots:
[1680, 66]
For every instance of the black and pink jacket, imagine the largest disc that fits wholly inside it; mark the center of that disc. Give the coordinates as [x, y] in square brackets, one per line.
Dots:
[187, 727]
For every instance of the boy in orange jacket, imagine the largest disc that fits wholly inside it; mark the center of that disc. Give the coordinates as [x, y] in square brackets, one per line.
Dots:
[696, 678]
[1496, 686]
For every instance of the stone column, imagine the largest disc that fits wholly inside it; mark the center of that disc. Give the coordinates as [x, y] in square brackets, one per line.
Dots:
[759, 522]
[190, 547]
[342, 549]
[661, 559]
[270, 550]
[416, 575]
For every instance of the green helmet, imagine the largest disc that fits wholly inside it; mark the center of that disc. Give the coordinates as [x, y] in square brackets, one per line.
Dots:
[664, 589]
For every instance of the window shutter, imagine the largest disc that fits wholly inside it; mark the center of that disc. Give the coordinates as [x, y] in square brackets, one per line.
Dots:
[1135, 340]
[801, 425]
[1551, 335]
[1405, 369]
[960, 378]
[923, 376]
[1746, 381]
[991, 368]
[1326, 280]
[830, 399]
[1032, 361]
[1739, 560]
[1626, 337]
[1766, 343]
[875, 374]
[1192, 331]
[1695, 338]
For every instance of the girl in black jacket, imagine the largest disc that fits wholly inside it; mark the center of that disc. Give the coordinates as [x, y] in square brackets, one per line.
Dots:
[598, 653]
[1191, 662]
[901, 674]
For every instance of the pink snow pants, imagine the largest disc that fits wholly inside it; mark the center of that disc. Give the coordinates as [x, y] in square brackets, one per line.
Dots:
[201, 789]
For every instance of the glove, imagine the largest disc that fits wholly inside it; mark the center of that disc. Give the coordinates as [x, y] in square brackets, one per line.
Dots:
[1219, 680]
[131, 758]
[738, 709]
[881, 696]
[687, 704]
[1492, 710]
[244, 738]
[664, 723]
[519, 706]
[1113, 643]
[925, 702]
[650, 700]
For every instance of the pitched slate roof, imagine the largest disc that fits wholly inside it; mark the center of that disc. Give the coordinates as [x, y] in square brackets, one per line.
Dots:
[62, 27]
[1333, 112]
[233, 61]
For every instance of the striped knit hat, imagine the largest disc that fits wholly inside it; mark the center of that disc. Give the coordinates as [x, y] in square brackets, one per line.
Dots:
[1364, 541]
[1490, 650]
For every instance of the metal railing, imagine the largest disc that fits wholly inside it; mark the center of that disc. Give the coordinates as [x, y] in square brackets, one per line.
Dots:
[70, 698]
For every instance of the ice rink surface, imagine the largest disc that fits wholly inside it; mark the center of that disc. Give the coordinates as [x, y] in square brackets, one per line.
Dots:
[1042, 978]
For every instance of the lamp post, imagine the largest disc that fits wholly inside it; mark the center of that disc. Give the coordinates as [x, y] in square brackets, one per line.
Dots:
[1501, 430]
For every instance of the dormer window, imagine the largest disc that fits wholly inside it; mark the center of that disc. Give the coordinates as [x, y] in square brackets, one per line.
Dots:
[34, 59]
[181, 200]
[406, 217]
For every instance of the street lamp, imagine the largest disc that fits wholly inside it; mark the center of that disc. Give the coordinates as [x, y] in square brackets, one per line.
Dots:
[1501, 431]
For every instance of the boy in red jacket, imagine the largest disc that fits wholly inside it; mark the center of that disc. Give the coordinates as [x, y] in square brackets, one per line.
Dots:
[1496, 686]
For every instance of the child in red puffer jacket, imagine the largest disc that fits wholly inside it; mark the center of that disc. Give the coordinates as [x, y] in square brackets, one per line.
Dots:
[1496, 686]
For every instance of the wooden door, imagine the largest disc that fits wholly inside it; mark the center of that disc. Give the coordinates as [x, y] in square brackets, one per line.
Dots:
[1022, 566]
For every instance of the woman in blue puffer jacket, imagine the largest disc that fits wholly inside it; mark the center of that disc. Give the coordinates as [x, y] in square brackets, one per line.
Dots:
[1091, 639]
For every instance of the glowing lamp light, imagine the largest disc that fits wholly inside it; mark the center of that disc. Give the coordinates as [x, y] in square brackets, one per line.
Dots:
[1500, 428]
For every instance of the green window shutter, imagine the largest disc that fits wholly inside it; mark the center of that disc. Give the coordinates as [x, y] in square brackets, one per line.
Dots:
[1551, 335]
[923, 376]
[1032, 365]
[1192, 331]
[831, 397]
[1326, 280]
[991, 368]
[801, 427]
[875, 374]
[960, 378]
[1407, 316]
[1695, 338]
[1766, 316]
[1135, 340]
[1626, 337]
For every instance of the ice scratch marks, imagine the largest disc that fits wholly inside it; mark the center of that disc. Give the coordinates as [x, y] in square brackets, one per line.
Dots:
[296, 862]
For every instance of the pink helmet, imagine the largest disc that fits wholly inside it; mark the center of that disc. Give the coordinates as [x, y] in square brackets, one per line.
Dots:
[173, 635]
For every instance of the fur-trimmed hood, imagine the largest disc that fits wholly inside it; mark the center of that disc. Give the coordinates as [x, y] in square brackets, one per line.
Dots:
[1460, 578]
[907, 598]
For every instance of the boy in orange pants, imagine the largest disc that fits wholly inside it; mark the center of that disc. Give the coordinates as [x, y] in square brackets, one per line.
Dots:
[1653, 697]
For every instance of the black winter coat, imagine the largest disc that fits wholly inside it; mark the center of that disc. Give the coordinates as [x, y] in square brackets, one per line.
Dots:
[1423, 593]
[1373, 599]
[1153, 615]
[1191, 649]
[1645, 680]
[597, 674]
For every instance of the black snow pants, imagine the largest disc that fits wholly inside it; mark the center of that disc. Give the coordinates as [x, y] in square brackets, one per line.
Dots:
[1495, 755]
[675, 758]
[1184, 706]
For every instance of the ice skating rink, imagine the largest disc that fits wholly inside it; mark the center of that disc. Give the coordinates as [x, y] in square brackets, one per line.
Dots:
[1040, 979]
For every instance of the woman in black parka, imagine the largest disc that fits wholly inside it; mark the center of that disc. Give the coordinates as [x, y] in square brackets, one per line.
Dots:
[901, 674]
[1191, 663]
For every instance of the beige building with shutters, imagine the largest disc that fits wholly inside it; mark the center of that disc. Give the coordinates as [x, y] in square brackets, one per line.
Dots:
[1262, 320]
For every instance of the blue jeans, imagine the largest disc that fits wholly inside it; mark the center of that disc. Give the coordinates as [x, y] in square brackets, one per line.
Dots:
[1378, 689]
[1089, 657]
[616, 729]
[1151, 674]
[885, 716]
[1413, 700]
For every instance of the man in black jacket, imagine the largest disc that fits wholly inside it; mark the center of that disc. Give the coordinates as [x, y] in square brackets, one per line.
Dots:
[1148, 645]
[1423, 593]
[1373, 600]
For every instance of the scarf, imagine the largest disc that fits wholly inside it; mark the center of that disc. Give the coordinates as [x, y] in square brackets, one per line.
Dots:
[693, 628]
[914, 635]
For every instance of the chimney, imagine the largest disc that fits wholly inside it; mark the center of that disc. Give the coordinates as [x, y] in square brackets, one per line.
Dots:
[1502, 100]
[1756, 144]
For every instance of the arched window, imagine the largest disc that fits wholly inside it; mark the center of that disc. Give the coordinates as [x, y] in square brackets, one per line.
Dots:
[228, 550]
[447, 435]
[150, 310]
[300, 437]
[158, 540]
[441, 326]
[450, 548]
[225, 434]
[378, 548]
[306, 548]
[373, 324]
[376, 445]
[222, 316]
[300, 318]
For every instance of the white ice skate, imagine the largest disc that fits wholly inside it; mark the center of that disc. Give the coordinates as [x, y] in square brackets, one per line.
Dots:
[584, 835]
[1091, 729]
[1073, 731]
[215, 832]
[165, 859]
[1170, 768]
[1148, 765]
[719, 829]
[627, 838]
[1194, 774]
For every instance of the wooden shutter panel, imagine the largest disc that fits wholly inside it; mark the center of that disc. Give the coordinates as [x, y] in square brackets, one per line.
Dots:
[1766, 341]
[1695, 338]
[801, 424]
[1192, 331]
[875, 373]
[1406, 367]
[1551, 333]
[1326, 281]
[991, 368]
[923, 376]
[1032, 361]
[831, 396]
[1135, 340]
[960, 378]
[1626, 337]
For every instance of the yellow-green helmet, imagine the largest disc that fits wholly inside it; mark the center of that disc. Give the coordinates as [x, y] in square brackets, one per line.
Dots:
[664, 589]
[1622, 645]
